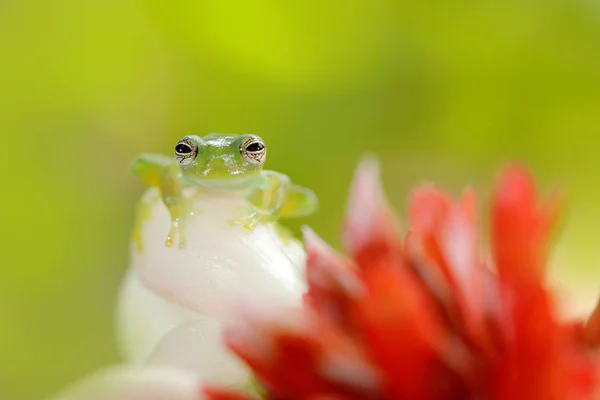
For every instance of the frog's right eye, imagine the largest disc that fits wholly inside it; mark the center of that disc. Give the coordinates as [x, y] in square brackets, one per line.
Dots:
[186, 151]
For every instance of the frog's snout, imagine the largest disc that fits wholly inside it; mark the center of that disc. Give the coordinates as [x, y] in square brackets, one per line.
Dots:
[218, 164]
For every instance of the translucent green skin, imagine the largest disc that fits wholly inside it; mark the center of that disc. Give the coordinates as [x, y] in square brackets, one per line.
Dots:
[220, 165]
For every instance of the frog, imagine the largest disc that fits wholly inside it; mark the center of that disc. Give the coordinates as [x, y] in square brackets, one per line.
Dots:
[223, 162]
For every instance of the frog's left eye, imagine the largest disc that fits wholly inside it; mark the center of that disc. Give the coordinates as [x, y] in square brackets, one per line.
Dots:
[186, 151]
[253, 150]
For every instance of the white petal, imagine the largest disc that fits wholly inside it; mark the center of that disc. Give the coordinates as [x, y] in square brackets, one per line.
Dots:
[218, 258]
[143, 319]
[136, 383]
[153, 330]
[197, 347]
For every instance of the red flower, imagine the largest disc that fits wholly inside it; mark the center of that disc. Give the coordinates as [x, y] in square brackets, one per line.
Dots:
[425, 317]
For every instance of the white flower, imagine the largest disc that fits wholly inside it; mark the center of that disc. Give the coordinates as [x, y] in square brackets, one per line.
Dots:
[173, 300]
[131, 383]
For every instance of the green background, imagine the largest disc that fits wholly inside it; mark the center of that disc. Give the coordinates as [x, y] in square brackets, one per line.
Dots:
[446, 91]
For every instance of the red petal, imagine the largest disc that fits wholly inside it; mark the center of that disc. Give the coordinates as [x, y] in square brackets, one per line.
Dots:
[370, 233]
[428, 270]
[458, 241]
[291, 355]
[445, 240]
[212, 393]
[541, 360]
[520, 228]
[591, 330]
[446, 232]
[427, 205]
[281, 356]
[404, 335]
[332, 282]
[457, 237]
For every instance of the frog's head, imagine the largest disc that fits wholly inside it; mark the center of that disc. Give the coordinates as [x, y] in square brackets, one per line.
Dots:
[217, 159]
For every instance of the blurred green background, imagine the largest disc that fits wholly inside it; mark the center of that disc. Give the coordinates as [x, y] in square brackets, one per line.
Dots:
[445, 91]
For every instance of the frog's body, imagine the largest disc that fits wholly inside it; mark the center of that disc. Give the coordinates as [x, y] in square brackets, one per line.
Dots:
[224, 163]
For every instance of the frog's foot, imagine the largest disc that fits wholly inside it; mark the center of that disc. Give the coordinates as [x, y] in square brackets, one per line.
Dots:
[180, 214]
[251, 220]
[179, 219]
[176, 233]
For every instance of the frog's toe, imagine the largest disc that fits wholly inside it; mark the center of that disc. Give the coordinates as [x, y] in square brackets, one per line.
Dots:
[250, 221]
[247, 223]
[176, 234]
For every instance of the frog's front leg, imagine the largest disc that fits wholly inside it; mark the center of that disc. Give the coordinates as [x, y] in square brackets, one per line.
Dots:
[299, 202]
[267, 197]
[164, 173]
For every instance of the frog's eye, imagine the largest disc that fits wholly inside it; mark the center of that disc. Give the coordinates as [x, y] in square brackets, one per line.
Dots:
[186, 151]
[253, 150]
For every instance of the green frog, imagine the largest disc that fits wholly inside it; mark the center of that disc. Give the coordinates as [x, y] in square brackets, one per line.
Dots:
[223, 162]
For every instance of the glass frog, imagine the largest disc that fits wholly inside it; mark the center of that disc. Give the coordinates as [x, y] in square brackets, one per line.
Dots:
[223, 162]
[219, 209]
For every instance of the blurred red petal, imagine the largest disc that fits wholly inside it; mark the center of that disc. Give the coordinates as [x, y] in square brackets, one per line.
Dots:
[298, 362]
[457, 238]
[536, 361]
[429, 272]
[330, 397]
[213, 393]
[444, 239]
[370, 232]
[402, 332]
[539, 359]
[289, 367]
[591, 329]
[427, 205]
[332, 280]
[520, 228]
